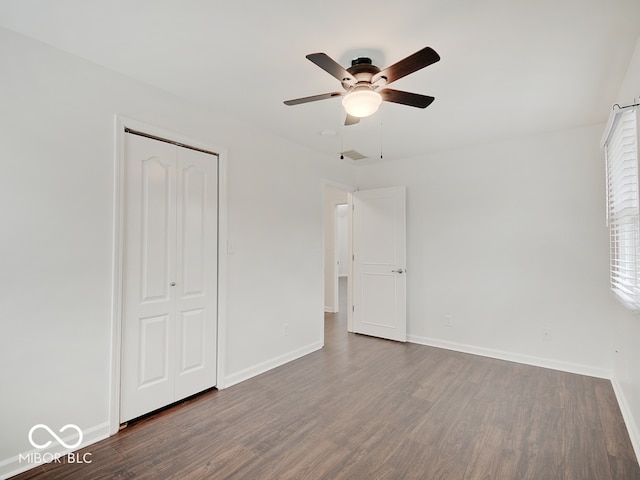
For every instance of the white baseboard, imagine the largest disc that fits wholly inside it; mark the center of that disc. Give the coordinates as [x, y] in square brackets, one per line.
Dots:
[24, 461]
[263, 367]
[514, 357]
[632, 426]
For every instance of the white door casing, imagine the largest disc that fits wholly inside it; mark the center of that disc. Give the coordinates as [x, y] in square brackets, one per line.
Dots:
[379, 263]
[169, 275]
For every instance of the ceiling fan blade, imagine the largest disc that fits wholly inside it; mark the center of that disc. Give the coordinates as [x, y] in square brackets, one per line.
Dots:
[406, 98]
[332, 67]
[351, 120]
[313, 98]
[404, 67]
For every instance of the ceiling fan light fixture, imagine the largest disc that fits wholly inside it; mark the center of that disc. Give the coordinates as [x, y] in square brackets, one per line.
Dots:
[361, 102]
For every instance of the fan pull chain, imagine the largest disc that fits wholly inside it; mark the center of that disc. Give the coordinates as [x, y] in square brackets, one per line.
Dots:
[342, 127]
[341, 142]
[381, 110]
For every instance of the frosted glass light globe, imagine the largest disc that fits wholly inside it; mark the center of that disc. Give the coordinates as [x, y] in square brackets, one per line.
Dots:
[361, 103]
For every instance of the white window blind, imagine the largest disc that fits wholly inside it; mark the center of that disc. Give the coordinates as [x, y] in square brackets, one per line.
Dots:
[620, 143]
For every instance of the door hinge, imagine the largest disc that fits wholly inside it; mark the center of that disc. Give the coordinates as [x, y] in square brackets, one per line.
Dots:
[353, 308]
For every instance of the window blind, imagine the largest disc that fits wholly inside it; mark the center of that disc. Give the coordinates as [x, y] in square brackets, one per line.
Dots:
[623, 212]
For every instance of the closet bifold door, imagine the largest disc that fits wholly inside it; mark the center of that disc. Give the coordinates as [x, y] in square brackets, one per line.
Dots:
[169, 275]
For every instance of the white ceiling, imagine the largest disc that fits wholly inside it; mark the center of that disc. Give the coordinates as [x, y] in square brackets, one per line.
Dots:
[508, 68]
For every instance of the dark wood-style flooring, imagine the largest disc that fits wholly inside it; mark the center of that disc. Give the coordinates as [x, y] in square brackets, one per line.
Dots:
[365, 408]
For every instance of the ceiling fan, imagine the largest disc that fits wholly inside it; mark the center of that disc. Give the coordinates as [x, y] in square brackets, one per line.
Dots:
[364, 83]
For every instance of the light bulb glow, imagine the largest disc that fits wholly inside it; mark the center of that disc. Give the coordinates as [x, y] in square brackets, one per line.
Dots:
[361, 103]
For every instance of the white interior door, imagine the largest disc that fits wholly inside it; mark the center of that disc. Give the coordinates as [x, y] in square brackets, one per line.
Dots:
[379, 263]
[170, 275]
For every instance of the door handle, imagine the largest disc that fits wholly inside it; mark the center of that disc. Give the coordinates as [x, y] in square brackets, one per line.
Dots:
[398, 271]
[173, 284]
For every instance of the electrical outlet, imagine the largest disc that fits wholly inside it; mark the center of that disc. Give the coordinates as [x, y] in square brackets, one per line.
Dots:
[285, 330]
[448, 320]
[546, 334]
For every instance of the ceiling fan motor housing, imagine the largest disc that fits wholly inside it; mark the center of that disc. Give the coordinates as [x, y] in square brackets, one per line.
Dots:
[363, 70]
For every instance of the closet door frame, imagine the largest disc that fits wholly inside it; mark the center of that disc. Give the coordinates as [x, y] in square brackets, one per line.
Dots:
[121, 124]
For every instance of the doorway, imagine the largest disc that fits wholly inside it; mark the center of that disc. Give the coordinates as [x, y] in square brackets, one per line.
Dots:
[337, 238]
[170, 274]
[342, 254]
[179, 193]
[376, 281]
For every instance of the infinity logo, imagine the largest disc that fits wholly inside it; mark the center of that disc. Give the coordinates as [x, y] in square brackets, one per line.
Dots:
[56, 437]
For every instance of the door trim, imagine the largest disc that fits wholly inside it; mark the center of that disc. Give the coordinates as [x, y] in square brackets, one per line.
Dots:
[122, 123]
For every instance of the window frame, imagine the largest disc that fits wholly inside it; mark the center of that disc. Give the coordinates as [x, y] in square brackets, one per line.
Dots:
[620, 144]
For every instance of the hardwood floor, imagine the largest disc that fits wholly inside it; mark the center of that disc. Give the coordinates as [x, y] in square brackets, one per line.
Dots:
[365, 408]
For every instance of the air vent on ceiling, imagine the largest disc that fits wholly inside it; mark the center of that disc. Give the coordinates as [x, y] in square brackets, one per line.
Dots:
[353, 155]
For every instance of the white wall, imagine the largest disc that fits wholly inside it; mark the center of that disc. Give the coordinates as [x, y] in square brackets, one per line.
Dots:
[626, 325]
[509, 238]
[56, 205]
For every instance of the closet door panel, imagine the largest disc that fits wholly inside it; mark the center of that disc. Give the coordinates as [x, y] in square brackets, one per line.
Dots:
[197, 264]
[148, 353]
